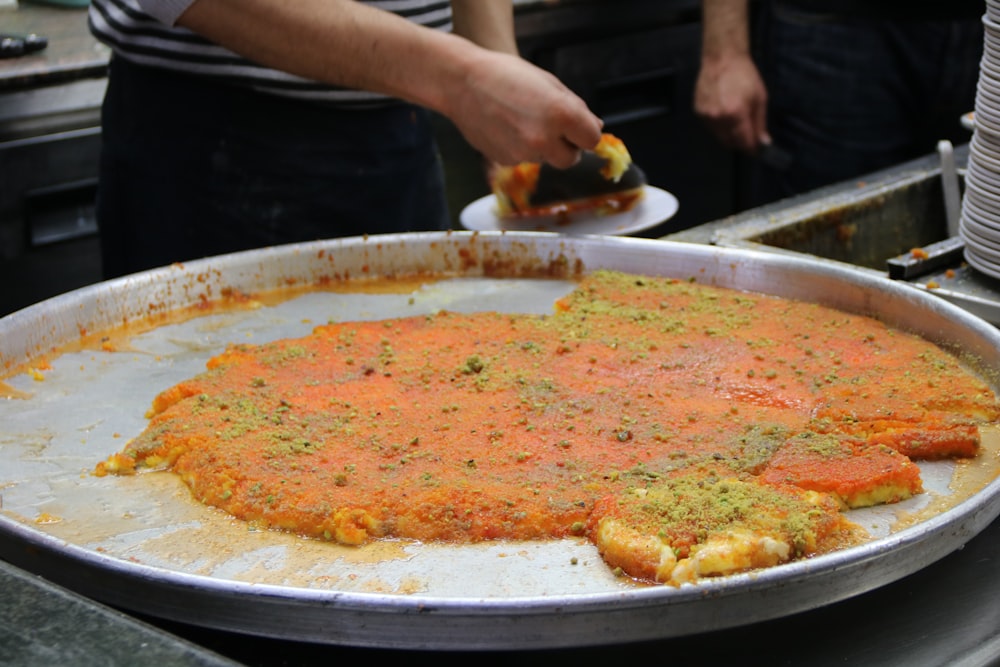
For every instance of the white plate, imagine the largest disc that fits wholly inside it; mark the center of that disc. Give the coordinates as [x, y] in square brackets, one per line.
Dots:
[981, 263]
[655, 207]
[979, 237]
[983, 211]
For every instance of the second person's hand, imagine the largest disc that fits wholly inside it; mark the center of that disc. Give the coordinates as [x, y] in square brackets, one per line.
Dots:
[732, 100]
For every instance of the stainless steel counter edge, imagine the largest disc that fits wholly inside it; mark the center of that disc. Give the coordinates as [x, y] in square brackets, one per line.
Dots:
[43, 624]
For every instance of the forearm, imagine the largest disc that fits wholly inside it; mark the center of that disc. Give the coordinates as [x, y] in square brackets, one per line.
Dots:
[730, 94]
[506, 107]
[725, 29]
[340, 42]
[488, 23]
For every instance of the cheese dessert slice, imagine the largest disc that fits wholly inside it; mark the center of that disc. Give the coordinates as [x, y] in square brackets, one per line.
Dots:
[605, 180]
[692, 526]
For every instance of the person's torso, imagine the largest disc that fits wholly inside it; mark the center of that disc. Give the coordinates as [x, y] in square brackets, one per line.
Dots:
[139, 37]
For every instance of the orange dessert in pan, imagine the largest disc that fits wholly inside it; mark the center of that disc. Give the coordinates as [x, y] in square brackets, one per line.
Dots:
[687, 430]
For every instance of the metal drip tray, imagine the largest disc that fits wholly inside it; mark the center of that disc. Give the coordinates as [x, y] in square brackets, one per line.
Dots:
[892, 223]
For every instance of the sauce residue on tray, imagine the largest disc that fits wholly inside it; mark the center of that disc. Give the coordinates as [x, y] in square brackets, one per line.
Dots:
[971, 475]
[118, 338]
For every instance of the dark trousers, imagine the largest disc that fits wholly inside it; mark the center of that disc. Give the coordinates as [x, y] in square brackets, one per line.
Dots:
[192, 168]
[849, 96]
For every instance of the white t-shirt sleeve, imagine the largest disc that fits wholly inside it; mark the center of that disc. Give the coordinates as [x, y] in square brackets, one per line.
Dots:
[165, 11]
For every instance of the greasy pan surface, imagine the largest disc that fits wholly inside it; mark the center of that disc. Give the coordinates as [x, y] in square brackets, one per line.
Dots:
[142, 543]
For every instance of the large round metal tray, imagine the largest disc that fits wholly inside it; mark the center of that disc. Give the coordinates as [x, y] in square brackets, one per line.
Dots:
[142, 544]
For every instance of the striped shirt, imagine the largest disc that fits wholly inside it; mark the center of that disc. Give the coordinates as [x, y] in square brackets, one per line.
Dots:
[143, 32]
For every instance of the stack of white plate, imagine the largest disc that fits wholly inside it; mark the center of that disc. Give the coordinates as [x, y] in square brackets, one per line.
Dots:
[980, 225]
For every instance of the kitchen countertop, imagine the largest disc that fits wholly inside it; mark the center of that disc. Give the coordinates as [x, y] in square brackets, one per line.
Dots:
[42, 624]
[72, 53]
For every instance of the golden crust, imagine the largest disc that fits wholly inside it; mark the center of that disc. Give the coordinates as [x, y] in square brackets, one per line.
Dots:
[693, 526]
[618, 158]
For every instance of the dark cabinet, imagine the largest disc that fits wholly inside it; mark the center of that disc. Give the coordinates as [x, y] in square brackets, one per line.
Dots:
[49, 144]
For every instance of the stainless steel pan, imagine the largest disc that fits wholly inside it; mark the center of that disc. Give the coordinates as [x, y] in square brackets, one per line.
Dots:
[143, 544]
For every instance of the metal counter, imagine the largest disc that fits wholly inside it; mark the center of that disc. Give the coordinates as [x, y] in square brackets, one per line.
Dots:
[892, 223]
[42, 624]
